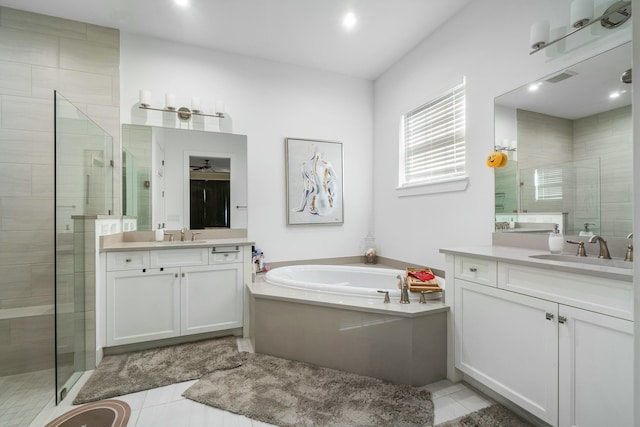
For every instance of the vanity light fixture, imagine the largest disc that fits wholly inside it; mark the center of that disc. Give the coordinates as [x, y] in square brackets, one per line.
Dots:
[614, 16]
[183, 113]
[581, 13]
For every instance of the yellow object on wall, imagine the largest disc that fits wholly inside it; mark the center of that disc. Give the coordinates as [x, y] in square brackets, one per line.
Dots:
[497, 160]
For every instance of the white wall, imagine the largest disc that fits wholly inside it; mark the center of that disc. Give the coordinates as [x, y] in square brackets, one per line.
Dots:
[488, 43]
[268, 102]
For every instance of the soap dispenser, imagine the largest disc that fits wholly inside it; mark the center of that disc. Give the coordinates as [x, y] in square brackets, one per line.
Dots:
[556, 240]
[586, 231]
[159, 233]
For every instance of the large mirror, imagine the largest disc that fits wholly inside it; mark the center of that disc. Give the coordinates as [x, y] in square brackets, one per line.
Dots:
[179, 178]
[569, 140]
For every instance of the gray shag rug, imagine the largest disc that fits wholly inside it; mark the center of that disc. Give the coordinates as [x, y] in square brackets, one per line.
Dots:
[290, 393]
[491, 416]
[121, 374]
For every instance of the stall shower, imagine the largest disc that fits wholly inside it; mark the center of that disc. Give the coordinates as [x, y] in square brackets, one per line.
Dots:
[46, 301]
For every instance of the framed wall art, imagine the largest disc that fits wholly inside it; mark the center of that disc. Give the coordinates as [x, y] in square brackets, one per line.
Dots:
[314, 182]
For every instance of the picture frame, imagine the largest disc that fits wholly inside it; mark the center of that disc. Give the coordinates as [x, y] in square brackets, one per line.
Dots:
[314, 177]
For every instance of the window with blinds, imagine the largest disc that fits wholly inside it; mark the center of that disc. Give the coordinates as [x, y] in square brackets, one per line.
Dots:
[433, 140]
[548, 183]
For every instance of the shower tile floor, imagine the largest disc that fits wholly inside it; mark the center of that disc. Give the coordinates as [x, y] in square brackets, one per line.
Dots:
[23, 396]
[165, 406]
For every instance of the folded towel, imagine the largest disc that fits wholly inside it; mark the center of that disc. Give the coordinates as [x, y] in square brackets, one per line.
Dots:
[423, 276]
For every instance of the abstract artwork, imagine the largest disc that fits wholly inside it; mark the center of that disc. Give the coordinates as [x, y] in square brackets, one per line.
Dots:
[314, 182]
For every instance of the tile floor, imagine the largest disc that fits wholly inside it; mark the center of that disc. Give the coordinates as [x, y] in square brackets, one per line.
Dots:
[23, 396]
[165, 407]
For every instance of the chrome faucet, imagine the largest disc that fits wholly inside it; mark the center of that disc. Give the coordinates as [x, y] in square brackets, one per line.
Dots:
[404, 290]
[604, 250]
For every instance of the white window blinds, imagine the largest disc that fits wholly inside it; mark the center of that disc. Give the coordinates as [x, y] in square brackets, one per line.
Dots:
[433, 140]
[548, 183]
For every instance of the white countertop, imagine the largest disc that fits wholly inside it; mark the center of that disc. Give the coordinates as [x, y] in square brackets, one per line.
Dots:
[261, 289]
[522, 256]
[138, 246]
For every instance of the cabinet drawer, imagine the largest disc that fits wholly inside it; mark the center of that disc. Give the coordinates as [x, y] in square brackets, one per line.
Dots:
[178, 257]
[606, 296]
[130, 260]
[225, 254]
[476, 270]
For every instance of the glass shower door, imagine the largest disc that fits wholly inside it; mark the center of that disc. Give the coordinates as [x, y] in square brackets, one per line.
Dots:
[83, 189]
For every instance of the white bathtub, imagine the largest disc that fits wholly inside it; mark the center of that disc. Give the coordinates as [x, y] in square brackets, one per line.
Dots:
[342, 279]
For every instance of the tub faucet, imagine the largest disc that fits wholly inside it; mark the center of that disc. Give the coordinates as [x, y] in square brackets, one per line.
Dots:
[604, 250]
[404, 291]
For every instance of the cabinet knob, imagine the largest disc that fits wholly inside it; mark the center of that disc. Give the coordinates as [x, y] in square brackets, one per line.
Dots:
[127, 260]
[182, 274]
[562, 319]
[550, 316]
[176, 275]
[473, 269]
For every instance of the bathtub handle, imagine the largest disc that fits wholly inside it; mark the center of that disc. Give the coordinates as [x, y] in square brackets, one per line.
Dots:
[386, 296]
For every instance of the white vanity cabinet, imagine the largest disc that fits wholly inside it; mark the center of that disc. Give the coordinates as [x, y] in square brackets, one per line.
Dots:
[595, 369]
[142, 303]
[558, 344]
[509, 342]
[212, 296]
[165, 293]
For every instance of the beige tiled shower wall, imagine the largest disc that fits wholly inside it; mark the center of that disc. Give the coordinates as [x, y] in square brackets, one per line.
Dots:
[605, 137]
[609, 136]
[40, 54]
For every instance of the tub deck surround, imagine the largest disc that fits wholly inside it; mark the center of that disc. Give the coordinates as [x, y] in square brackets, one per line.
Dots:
[401, 343]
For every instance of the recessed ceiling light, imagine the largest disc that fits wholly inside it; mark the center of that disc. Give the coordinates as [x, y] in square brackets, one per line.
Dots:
[534, 86]
[349, 21]
[182, 2]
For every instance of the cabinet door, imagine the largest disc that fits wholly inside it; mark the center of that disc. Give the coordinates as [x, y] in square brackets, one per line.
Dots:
[509, 342]
[142, 305]
[596, 369]
[212, 298]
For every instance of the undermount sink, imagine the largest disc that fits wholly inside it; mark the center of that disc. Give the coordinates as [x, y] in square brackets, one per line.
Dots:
[617, 263]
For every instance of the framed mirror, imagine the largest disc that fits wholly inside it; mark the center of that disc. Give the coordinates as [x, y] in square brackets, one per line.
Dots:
[569, 140]
[179, 178]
